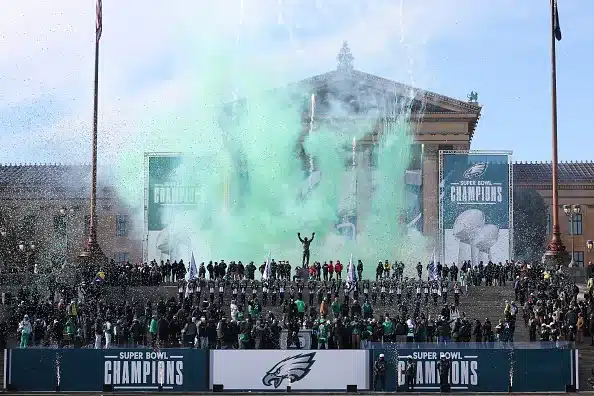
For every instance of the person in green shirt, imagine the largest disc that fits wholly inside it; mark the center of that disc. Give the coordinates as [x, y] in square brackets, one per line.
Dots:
[244, 339]
[367, 310]
[70, 329]
[335, 308]
[300, 309]
[388, 327]
[323, 335]
[254, 309]
[366, 336]
[153, 330]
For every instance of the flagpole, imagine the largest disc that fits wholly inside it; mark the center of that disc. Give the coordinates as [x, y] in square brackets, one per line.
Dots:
[92, 249]
[556, 252]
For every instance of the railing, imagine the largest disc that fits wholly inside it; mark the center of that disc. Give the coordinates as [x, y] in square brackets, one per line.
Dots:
[474, 345]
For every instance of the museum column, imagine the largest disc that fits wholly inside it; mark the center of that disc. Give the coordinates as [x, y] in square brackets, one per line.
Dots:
[430, 189]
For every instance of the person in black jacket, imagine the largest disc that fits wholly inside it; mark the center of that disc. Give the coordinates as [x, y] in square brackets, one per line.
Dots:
[411, 374]
[306, 242]
[379, 373]
[444, 371]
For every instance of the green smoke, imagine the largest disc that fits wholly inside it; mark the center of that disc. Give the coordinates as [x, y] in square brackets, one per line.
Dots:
[250, 173]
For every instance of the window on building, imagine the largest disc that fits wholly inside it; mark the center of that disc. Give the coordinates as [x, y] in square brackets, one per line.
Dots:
[28, 230]
[122, 225]
[416, 157]
[87, 224]
[549, 224]
[575, 224]
[121, 257]
[60, 225]
[578, 258]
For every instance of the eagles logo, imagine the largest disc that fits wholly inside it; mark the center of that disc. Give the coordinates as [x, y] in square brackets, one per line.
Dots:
[293, 368]
[476, 170]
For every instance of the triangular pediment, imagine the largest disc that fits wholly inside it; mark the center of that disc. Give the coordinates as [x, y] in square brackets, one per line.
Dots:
[365, 92]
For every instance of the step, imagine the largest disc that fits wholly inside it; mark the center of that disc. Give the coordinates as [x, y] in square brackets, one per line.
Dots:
[2, 371]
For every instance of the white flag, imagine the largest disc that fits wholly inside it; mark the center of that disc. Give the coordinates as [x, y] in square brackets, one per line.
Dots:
[193, 270]
[267, 270]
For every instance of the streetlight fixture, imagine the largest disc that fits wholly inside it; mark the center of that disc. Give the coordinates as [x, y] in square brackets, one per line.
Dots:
[571, 211]
[64, 211]
[589, 245]
[27, 249]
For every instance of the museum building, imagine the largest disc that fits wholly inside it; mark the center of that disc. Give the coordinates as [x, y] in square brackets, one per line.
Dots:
[49, 204]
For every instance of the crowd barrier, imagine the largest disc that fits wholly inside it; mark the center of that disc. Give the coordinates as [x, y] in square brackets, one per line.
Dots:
[191, 370]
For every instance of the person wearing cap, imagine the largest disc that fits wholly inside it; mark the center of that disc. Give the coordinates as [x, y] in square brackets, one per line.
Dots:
[411, 374]
[379, 373]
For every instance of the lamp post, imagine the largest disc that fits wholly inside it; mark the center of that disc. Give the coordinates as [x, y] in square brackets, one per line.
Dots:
[4, 251]
[65, 212]
[571, 211]
[28, 249]
[589, 245]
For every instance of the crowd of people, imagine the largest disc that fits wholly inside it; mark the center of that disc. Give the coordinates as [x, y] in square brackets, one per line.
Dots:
[225, 307]
[154, 273]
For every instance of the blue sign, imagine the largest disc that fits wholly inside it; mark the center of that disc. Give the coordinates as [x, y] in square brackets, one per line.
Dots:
[480, 370]
[476, 181]
[475, 207]
[88, 370]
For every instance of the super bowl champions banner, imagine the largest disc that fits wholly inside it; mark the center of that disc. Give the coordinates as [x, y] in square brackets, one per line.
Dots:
[475, 216]
[167, 192]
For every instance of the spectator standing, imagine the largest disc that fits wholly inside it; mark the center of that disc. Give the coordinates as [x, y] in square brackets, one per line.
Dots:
[379, 373]
[25, 330]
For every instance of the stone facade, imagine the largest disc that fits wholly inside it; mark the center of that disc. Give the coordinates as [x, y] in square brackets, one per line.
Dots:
[576, 187]
[31, 197]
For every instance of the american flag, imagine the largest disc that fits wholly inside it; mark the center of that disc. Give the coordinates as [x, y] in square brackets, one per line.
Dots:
[99, 20]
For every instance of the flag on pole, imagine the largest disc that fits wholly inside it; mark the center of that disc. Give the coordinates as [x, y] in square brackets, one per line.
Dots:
[99, 20]
[556, 26]
[193, 269]
[433, 267]
[351, 275]
[267, 270]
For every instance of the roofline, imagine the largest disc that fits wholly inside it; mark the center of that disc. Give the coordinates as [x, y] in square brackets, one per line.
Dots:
[550, 163]
[563, 185]
[404, 87]
[474, 110]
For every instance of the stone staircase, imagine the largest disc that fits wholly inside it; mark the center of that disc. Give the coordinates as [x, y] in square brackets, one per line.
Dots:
[2, 371]
[586, 365]
[479, 303]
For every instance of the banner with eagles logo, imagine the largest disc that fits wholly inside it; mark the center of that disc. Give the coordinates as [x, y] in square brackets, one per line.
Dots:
[274, 370]
[475, 210]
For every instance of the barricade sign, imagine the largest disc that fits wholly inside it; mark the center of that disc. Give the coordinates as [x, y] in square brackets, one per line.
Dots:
[476, 370]
[544, 370]
[270, 370]
[88, 370]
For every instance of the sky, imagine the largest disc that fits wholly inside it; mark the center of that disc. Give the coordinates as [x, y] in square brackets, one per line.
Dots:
[150, 49]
